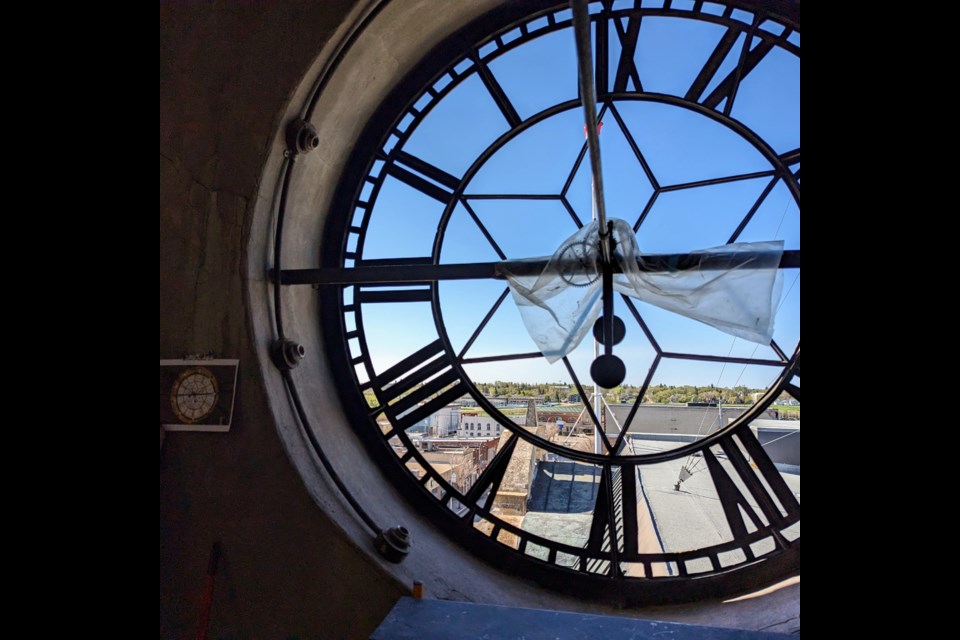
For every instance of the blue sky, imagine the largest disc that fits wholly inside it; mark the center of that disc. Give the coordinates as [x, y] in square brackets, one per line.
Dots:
[680, 146]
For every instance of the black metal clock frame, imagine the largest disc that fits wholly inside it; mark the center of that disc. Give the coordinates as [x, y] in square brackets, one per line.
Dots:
[598, 570]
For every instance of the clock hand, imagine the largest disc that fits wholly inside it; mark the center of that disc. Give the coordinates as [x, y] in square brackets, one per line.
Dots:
[396, 271]
[588, 98]
[607, 370]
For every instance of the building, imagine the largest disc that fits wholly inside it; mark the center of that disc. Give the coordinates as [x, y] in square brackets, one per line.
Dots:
[674, 418]
[478, 425]
[446, 421]
[567, 415]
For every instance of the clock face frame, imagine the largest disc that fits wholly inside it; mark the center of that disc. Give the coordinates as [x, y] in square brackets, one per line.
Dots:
[194, 395]
[761, 511]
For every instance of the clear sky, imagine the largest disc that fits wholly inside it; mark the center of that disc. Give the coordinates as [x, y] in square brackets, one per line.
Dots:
[679, 145]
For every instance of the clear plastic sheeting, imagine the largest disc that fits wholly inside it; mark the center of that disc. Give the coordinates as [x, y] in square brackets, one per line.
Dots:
[734, 287]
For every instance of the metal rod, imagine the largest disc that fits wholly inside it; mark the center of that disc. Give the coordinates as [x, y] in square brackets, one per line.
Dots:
[418, 273]
[607, 311]
[588, 98]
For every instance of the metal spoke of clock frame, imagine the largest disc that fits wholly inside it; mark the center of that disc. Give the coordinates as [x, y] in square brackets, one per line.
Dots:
[573, 214]
[779, 351]
[634, 147]
[483, 323]
[418, 271]
[581, 155]
[753, 210]
[714, 181]
[502, 358]
[646, 210]
[643, 325]
[728, 359]
[511, 196]
[483, 228]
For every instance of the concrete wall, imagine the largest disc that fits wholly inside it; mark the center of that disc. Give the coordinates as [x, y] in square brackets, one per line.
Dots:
[781, 439]
[226, 72]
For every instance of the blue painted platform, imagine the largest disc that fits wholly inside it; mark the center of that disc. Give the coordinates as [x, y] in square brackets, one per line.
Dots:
[413, 619]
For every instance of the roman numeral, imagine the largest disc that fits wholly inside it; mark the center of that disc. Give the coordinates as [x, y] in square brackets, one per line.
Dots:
[602, 518]
[628, 479]
[406, 167]
[732, 501]
[491, 477]
[728, 87]
[383, 269]
[626, 67]
[735, 504]
[410, 376]
[769, 472]
[602, 53]
[419, 294]
[713, 64]
[604, 530]
[496, 92]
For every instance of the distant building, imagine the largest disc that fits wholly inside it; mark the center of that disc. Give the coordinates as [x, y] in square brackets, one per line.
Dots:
[476, 425]
[485, 448]
[456, 462]
[566, 414]
[445, 422]
[780, 439]
[691, 419]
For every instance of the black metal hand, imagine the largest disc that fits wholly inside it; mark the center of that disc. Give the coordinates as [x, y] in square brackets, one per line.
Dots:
[607, 370]
[402, 271]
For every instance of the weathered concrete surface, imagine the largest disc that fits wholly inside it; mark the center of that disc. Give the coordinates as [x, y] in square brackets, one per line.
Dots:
[226, 72]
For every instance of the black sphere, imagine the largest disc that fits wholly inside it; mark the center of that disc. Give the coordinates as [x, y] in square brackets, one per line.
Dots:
[619, 330]
[608, 371]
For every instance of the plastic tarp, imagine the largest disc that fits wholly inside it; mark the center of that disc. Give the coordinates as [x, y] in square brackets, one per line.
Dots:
[560, 304]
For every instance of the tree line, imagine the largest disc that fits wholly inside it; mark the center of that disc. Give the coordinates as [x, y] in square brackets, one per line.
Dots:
[659, 394]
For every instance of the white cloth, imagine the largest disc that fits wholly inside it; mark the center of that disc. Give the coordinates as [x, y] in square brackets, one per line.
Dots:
[560, 304]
